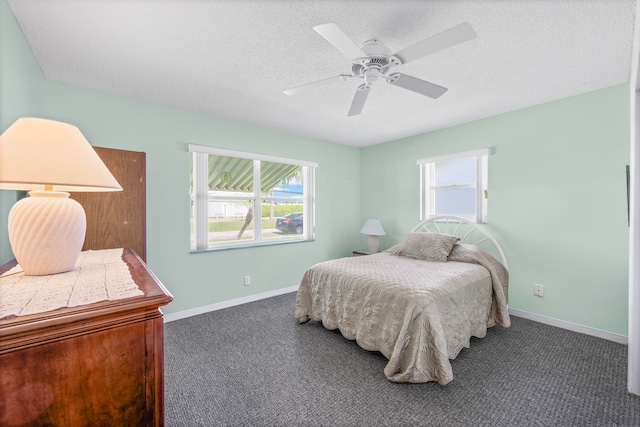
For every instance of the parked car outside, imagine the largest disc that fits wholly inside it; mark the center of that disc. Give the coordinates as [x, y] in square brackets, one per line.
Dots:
[291, 223]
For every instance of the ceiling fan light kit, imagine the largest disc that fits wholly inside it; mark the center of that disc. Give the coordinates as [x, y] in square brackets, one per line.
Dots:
[374, 61]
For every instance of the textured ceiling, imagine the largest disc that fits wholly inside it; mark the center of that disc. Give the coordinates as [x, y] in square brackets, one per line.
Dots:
[234, 59]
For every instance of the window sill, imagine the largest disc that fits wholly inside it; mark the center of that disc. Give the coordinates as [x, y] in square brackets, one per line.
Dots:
[252, 245]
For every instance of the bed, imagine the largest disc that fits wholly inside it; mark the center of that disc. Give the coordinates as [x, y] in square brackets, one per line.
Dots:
[418, 302]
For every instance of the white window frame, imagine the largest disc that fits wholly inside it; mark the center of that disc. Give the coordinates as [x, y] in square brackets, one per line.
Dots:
[200, 197]
[428, 189]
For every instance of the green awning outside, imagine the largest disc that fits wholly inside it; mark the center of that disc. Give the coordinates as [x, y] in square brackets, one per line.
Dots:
[236, 174]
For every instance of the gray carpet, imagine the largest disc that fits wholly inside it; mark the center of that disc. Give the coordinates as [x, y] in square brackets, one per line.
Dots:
[254, 365]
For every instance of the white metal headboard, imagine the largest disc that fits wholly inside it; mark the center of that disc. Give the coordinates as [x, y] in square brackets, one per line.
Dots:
[468, 231]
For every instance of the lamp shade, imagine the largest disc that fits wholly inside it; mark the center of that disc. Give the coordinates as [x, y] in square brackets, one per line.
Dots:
[35, 153]
[373, 228]
[48, 159]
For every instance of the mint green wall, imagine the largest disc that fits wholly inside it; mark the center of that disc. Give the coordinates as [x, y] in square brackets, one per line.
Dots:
[19, 71]
[17, 93]
[163, 133]
[15, 97]
[557, 200]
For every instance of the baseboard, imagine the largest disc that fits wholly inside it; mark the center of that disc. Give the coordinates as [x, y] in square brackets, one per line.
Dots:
[226, 304]
[621, 339]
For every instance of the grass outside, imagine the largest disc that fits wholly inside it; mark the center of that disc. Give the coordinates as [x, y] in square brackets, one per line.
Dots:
[226, 230]
[236, 225]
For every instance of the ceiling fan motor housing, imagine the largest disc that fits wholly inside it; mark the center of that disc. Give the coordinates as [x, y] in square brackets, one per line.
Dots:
[376, 64]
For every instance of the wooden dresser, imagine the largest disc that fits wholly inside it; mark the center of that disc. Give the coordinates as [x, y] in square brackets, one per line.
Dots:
[100, 364]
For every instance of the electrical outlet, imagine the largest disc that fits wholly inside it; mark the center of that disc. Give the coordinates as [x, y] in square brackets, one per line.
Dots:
[247, 280]
[538, 290]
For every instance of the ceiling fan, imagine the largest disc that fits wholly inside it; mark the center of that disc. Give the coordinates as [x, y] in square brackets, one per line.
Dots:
[373, 61]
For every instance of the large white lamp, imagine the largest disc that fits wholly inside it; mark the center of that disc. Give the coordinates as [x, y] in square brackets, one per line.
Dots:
[49, 159]
[374, 229]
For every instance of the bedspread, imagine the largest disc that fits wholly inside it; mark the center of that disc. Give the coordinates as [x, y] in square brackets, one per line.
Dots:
[419, 314]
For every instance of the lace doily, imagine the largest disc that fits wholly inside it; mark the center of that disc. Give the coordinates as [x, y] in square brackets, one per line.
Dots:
[98, 276]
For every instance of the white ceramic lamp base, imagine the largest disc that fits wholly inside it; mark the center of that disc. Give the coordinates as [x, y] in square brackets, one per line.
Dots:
[373, 243]
[46, 231]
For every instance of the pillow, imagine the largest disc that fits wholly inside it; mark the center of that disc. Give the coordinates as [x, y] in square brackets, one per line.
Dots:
[427, 246]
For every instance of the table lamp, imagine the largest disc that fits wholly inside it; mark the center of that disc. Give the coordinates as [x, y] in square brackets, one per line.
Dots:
[374, 229]
[49, 159]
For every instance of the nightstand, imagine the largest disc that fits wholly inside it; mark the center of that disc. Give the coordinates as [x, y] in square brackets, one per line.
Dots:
[361, 252]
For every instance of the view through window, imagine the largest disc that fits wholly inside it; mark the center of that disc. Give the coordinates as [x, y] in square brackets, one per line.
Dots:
[455, 184]
[244, 199]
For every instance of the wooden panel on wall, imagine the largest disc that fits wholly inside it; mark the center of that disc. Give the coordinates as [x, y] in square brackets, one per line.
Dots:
[118, 219]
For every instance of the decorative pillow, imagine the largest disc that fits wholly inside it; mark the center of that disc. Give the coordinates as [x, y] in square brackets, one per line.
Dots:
[428, 246]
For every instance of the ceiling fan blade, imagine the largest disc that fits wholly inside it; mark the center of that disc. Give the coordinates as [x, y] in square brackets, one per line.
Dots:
[447, 38]
[358, 100]
[340, 40]
[413, 84]
[298, 89]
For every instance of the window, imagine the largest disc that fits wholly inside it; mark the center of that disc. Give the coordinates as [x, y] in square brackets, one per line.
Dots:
[455, 184]
[242, 199]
